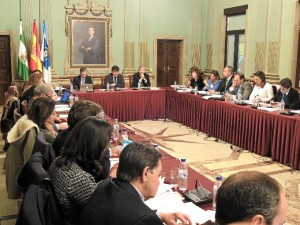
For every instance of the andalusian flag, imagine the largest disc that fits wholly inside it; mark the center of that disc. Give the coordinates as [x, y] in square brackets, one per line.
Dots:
[35, 62]
[45, 58]
[22, 59]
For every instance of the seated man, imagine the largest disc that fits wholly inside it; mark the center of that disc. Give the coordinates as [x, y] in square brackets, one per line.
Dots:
[289, 94]
[83, 78]
[226, 81]
[114, 79]
[141, 77]
[121, 200]
[240, 86]
[251, 198]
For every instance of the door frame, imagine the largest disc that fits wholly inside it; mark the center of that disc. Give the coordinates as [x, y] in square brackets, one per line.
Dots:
[13, 56]
[182, 58]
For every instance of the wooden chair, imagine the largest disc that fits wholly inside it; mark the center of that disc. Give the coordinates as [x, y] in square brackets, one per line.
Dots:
[24, 105]
[99, 85]
[130, 80]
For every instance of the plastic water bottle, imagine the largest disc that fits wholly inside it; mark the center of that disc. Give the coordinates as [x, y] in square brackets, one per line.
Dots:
[155, 146]
[71, 101]
[282, 105]
[71, 87]
[216, 186]
[196, 89]
[139, 85]
[102, 114]
[116, 128]
[107, 85]
[183, 175]
[124, 135]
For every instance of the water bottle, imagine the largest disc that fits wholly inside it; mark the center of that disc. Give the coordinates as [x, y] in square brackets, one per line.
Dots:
[139, 85]
[196, 89]
[216, 186]
[102, 114]
[239, 97]
[282, 105]
[107, 85]
[183, 175]
[71, 87]
[71, 101]
[116, 129]
[155, 146]
[175, 83]
[124, 135]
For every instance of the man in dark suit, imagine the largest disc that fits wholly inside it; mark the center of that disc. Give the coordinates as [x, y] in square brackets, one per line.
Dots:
[90, 48]
[120, 201]
[240, 86]
[82, 79]
[114, 79]
[142, 78]
[289, 94]
[227, 79]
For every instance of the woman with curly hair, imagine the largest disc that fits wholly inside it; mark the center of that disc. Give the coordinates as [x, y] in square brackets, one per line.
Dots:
[73, 173]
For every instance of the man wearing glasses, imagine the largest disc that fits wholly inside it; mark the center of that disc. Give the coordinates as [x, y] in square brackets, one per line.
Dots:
[120, 201]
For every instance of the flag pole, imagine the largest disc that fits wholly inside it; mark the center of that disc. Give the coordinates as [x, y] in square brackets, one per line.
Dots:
[20, 6]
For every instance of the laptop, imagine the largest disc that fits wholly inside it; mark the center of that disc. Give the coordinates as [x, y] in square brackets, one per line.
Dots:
[87, 87]
[65, 97]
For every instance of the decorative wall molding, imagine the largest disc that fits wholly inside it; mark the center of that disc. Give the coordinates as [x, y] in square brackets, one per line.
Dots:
[209, 56]
[196, 55]
[273, 57]
[260, 55]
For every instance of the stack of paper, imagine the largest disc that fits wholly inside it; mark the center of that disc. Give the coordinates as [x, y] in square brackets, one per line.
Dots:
[169, 201]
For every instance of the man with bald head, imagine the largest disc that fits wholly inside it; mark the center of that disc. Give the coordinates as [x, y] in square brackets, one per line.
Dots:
[251, 198]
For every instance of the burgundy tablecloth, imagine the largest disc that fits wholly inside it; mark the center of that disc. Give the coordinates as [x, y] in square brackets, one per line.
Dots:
[129, 105]
[261, 132]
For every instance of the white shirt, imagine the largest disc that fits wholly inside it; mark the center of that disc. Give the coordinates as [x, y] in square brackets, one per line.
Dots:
[264, 93]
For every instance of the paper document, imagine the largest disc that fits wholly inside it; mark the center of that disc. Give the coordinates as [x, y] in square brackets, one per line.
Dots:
[212, 96]
[170, 201]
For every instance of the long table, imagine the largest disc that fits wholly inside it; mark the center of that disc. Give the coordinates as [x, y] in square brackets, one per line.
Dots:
[263, 133]
[129, 105]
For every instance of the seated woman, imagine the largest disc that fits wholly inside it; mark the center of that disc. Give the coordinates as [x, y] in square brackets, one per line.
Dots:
[196, 79]
[35, 79]
[42, 112]
[22, 138]
[262, 90]
[213, 83]
[73, 172]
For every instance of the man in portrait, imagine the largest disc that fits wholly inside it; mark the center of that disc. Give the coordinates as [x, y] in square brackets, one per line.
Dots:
[90, 47]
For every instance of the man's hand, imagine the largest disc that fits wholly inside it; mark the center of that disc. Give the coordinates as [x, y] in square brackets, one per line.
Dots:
[60, 119]
[171, 218]
[116, 151]
[62, 126]
[113, 170]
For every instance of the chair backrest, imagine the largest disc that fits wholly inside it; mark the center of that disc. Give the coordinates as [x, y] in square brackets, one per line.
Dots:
[39, 205]
[130, 80]
[17, 115]
[24, 105]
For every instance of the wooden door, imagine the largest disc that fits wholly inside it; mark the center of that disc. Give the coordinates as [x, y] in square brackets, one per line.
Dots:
[5, 65]
[168, 56]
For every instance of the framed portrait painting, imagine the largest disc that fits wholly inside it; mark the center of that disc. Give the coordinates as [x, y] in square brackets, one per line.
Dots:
[88, 42]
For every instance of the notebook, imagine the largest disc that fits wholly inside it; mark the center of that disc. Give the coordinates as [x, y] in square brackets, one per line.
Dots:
[86, 87]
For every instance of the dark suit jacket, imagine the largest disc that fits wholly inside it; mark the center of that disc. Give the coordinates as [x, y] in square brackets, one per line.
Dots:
[223, 87]
[120, 80]
[246, 90]
[90, 56]
[137, 77]
[199, 83]
[292, 99]
[77, 81]
[117, 203]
